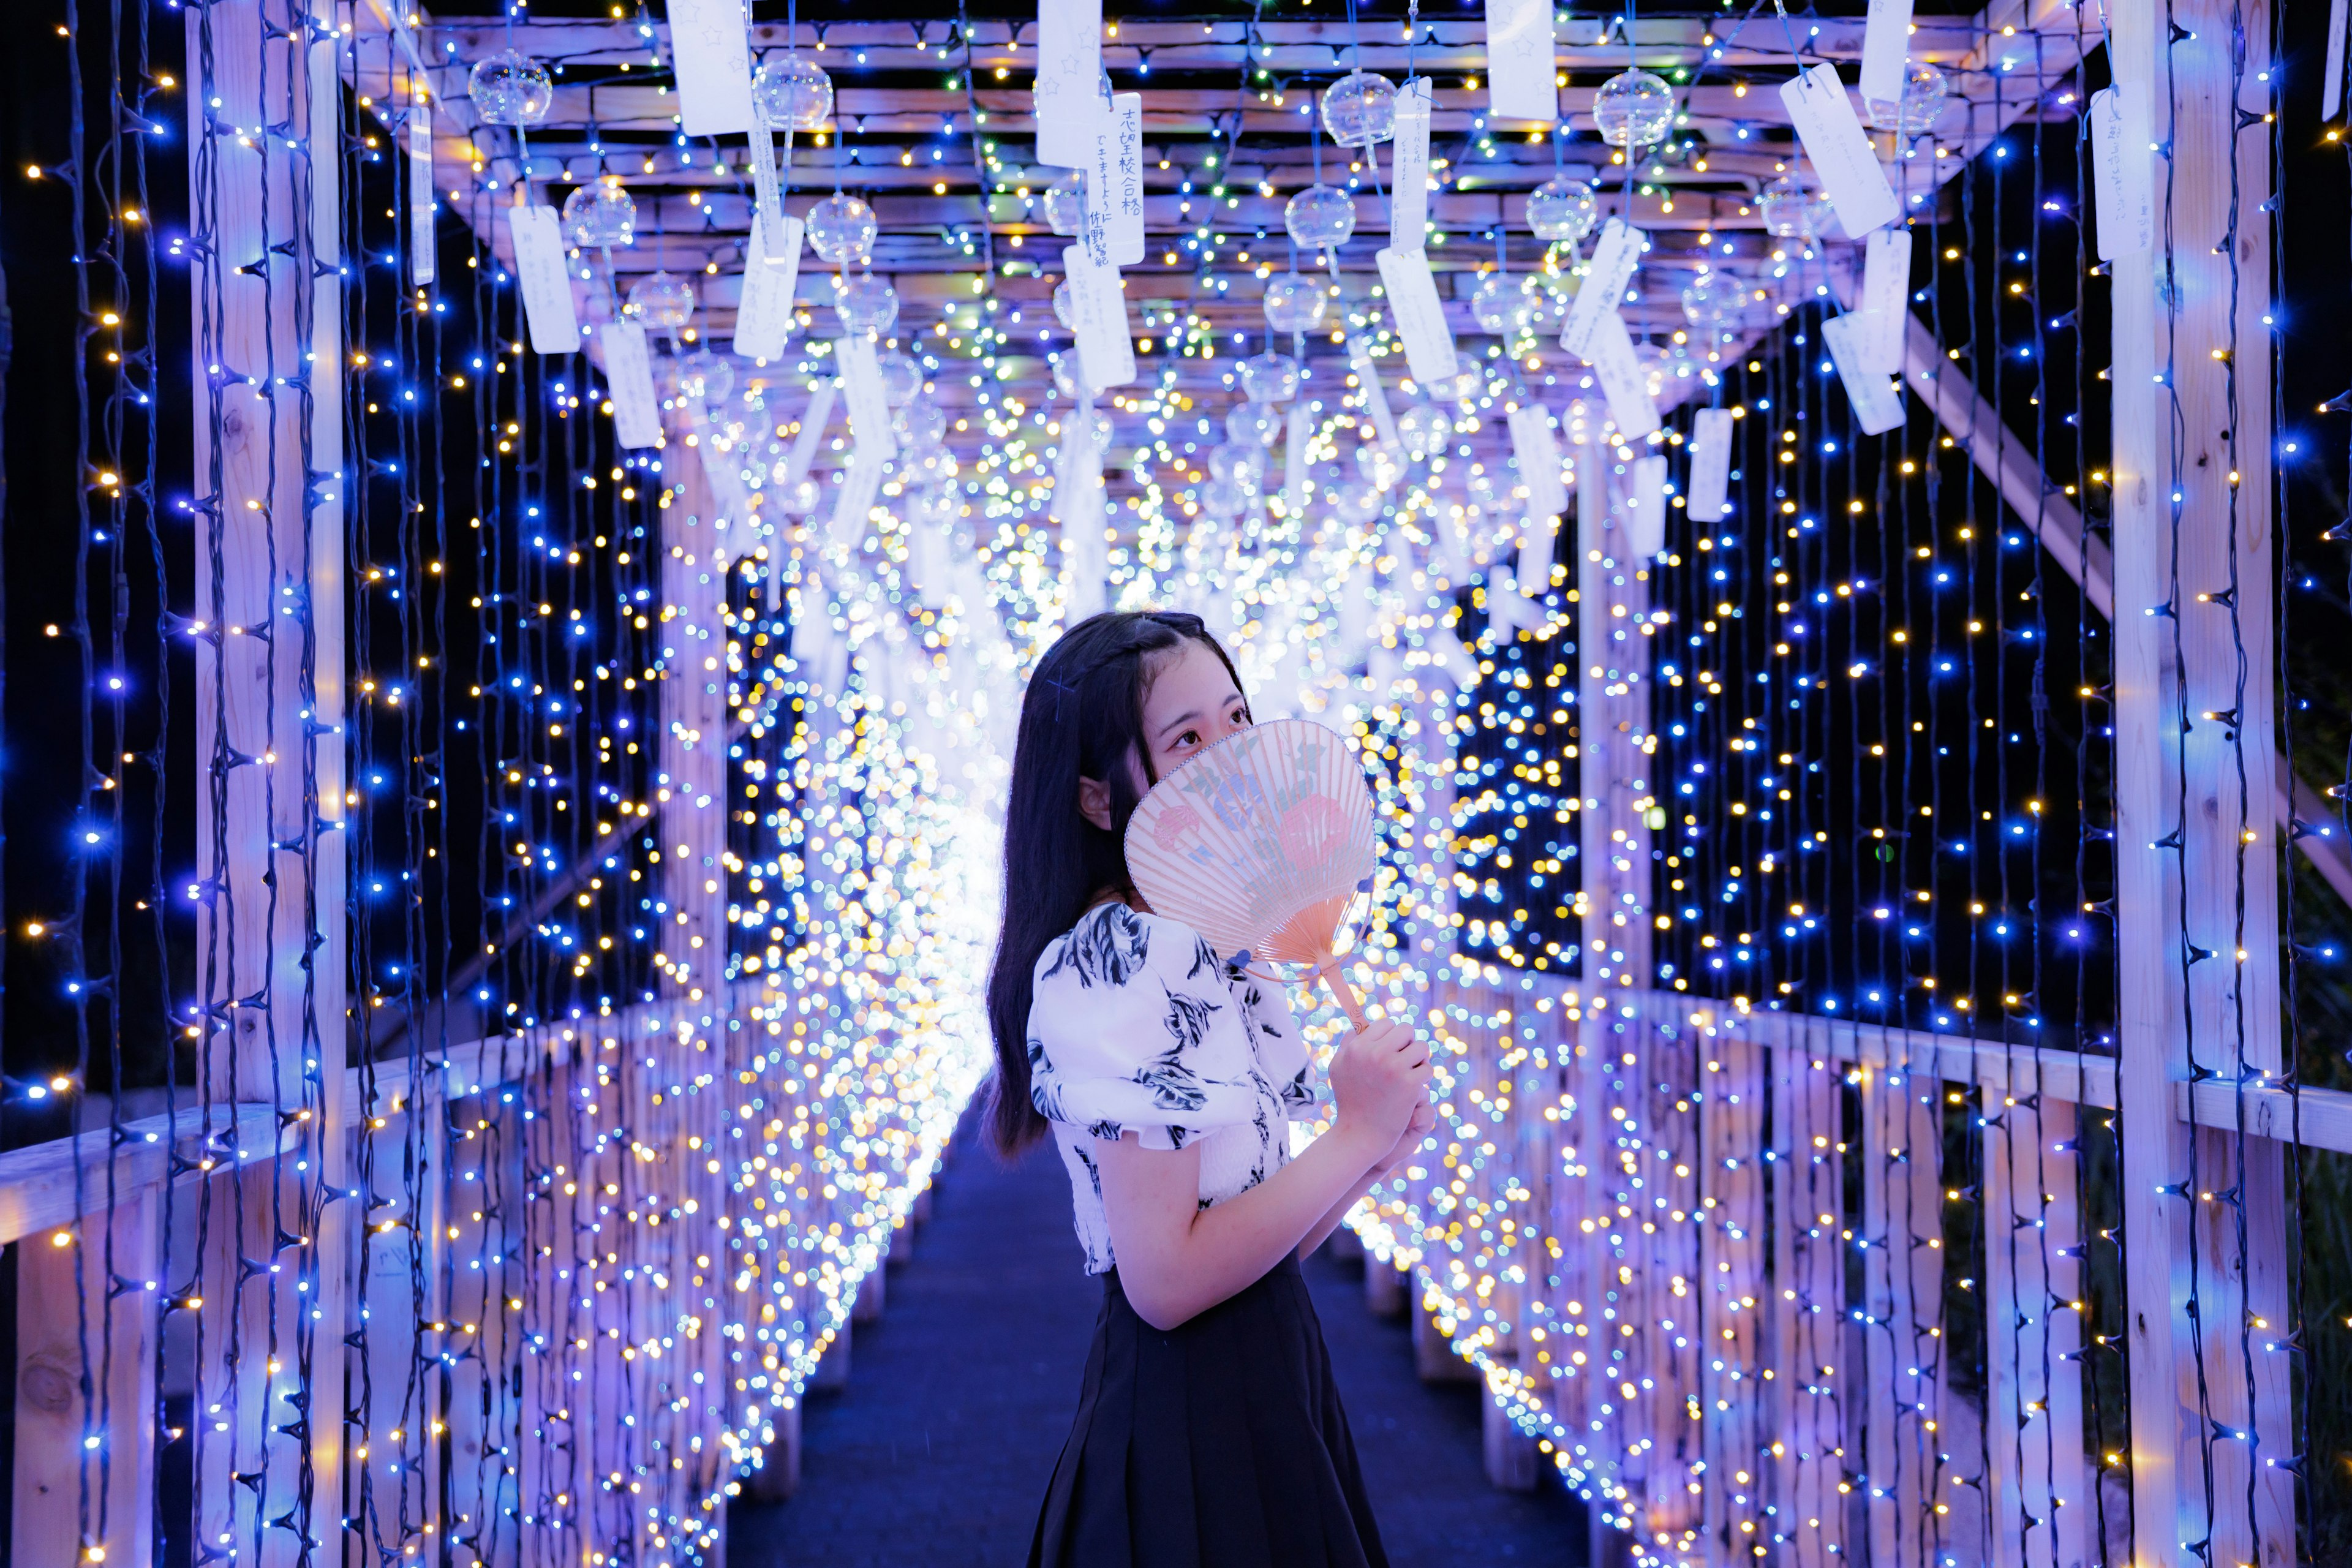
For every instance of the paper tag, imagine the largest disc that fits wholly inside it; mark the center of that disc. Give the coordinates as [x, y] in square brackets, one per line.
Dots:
[1645, 507]
[1622, 381]
[1068, 92]
[546, 279]
[2331, 88]
[1885, 280]
[422, 251]
[1106, 353]
[1538, 451]
[763, 315]
[869, 404]
[1113, 230]
[1877, 400]
[1710, 459]
[1297, 430]
[1419, 315]
[1375, 396]
[2120, 157]
[1850, 174]
[711, 50]
[629, 382]
[861, 482]
[1409, 198]
[1522, 76]
[1539, 542]
[1886, 46]
[1615, 255]
[811, 431]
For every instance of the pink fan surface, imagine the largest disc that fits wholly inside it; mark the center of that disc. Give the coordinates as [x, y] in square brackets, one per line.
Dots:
[1259, 842]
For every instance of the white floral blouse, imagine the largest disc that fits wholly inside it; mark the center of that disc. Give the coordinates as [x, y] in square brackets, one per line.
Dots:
[1136, 1026]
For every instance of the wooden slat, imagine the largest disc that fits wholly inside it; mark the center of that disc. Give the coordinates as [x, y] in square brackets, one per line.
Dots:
[2039, 1486]
[1734, 1304]
[1902, 1266]
[84, 1435]
[1810, 1383]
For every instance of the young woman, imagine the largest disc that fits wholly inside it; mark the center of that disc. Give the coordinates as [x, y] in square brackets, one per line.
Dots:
[1209, 1434]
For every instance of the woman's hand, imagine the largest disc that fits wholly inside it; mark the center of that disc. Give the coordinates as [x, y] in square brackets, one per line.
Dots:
[1380, 1083]
[1424, 1117]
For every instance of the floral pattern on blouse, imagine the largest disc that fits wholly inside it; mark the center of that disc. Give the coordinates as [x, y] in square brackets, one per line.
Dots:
[1136, 1025]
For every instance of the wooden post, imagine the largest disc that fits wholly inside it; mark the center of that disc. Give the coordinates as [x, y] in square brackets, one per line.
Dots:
[1903, 1279]
[2196, 839]
[269, 470]
[86, 1410]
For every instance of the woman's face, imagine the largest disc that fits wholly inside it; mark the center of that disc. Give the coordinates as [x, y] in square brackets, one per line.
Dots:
[1189, 703]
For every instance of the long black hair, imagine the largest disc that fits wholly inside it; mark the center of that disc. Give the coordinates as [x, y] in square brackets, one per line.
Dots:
[1082, 716]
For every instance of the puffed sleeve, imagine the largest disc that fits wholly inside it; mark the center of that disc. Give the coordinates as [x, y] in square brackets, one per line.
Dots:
[1132, 1029]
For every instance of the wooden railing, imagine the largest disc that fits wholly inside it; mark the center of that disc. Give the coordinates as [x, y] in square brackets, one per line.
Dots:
[1702, 1256]
[574, 1185]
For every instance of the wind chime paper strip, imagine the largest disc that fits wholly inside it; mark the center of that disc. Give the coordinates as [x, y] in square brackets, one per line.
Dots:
[768, 218]
[869, 404]
[629, 378]
[1538, 451]
[1645, 507]
[817, 644]
[1297, 430]
[812, 422]
[1105, 353]
[1419, 314]
[423, 260]
[1622, 381]
[1877, 400]
[1538, 543]
[1615, 255]
[1522, 73]
[1409, 198]
[1885, 47]
[2331, 86]
[763, 315]
[1850, 175]
[1509, 611]
[1068, 92]
[1711, 475]
[1113, 232]
[2120, 154]
[1375, 396]
[711, 49]
[1085, 553]
[1885, 280]
[861, 483]
[1066, 457]
[545, 277]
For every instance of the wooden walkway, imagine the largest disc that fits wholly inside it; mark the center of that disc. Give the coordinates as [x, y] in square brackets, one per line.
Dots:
[936, 1454]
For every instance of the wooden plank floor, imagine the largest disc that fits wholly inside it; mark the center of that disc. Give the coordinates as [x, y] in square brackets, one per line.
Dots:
[936, 1455]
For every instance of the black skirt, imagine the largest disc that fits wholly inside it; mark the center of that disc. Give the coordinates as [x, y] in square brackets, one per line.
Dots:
[1219, 1444]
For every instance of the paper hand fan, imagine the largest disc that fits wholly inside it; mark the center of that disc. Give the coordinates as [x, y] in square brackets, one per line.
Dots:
[1260, 842]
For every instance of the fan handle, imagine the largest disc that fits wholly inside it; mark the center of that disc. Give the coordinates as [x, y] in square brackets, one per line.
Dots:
[1342, 993]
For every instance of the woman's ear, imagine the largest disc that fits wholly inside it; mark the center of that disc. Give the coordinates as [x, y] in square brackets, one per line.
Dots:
[1094, 802]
